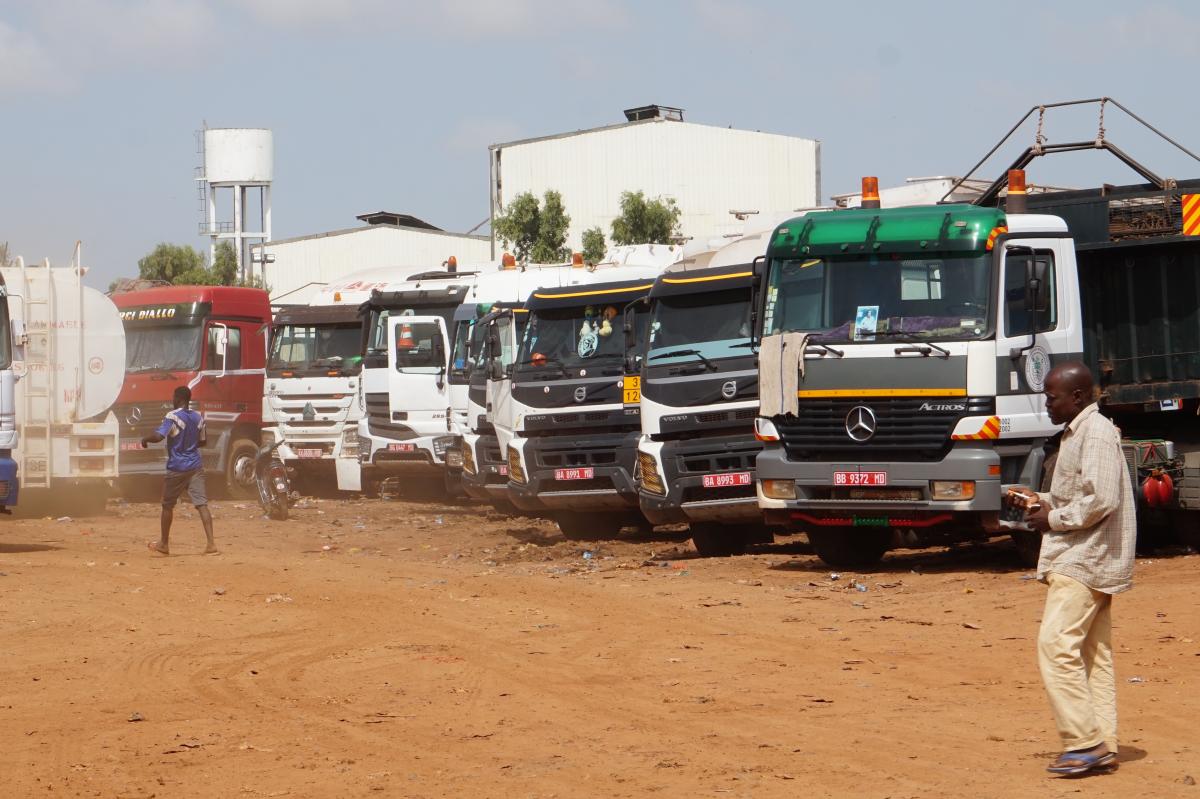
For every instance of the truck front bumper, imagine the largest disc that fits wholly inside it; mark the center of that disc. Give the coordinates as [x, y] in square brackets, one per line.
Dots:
[609, 456]
[420, 455]
[905, 500]
[678, 470]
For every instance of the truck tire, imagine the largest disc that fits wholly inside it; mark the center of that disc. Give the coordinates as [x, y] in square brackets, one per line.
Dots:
[850, 549]
[713, 540]
[589, 526]
[239, 469]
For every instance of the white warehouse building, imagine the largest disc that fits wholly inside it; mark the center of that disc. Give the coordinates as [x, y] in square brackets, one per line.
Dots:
[711, 172]
[294, 269]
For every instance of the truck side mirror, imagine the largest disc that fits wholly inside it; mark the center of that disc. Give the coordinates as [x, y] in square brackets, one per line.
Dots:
[1036, 292]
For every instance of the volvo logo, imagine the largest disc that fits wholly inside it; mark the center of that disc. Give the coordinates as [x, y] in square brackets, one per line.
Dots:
[729, 389]
[860, 423]
[580, 394]
[135, 416]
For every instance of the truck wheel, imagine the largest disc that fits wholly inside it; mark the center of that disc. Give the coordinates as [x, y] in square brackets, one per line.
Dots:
[713, 540]
[452, 482]
[239, 469]
[850, 549]
[589, 526]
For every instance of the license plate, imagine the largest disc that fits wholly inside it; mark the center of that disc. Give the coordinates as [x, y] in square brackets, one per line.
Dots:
[860, 478]
[129, 446]
[401, 447]
[725, 480]
[309, 453]
[502, 470]
[586, 473]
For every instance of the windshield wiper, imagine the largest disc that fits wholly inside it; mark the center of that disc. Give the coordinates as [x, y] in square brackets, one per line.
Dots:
[562, 370]
[825, 348]
[712, 367]
[919, 345]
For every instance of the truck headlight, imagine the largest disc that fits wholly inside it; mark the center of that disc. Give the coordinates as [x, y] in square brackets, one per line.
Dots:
[515, 472]
[764, 429]
[648, 472]
[779, 489]
[350, 437]
[468, 459]
[952, 489]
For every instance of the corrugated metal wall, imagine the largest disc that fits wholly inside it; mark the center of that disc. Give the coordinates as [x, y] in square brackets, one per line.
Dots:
[707, 170]
[320, 259]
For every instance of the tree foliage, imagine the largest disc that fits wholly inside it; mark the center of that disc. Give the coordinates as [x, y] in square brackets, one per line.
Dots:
[594, 246]
[536, 232]
[183, 265]
[643, 221]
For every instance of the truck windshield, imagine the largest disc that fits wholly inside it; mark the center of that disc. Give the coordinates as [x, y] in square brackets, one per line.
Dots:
[923, 295]
[714, 323]
[468, 339]
[419, 347]
[155, 349]
[377, 325]
[316, 347]
[584, 337]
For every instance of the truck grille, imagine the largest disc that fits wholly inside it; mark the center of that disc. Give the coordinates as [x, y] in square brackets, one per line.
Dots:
[379, 419]
[905, 430]
[574, 456]
[709, 463]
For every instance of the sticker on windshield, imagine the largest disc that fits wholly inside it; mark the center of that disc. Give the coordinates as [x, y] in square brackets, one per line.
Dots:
[866, 322]
[588, 339]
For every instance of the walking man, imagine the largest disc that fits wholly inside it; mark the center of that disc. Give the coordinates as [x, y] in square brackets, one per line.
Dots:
[184, 431]
[1088, 526]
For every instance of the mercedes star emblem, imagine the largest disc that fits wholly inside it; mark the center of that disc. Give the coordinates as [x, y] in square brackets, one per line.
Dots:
[860, 423]
[580, 394]
[135, 416]
[729, 389]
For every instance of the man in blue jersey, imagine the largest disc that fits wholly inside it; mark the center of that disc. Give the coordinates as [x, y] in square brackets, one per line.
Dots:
[184, 432]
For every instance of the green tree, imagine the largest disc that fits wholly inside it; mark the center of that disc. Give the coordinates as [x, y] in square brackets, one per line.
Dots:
[179, 264]
[536, 232]
[643, 221]
[594, 246]
[224, 269]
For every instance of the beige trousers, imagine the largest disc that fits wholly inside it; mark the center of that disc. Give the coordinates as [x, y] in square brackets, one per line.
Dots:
[1075, 657]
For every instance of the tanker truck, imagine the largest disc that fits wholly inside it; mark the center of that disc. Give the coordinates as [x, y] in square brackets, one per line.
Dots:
[69, 363]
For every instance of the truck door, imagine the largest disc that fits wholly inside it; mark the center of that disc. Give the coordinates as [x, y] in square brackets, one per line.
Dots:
[1036, 327]
[418, 361]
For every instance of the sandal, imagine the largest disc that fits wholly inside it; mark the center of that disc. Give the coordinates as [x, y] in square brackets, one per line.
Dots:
[1072, 763]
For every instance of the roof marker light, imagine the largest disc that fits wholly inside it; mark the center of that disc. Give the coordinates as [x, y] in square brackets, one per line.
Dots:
[870, 192]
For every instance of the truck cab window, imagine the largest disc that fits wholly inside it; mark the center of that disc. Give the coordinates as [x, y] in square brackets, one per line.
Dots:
[1017, 319]
[233, 350]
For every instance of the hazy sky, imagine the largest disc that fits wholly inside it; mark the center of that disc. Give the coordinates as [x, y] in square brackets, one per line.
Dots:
[389, 104]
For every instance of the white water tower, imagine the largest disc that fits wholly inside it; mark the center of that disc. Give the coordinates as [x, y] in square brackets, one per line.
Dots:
[237, 159]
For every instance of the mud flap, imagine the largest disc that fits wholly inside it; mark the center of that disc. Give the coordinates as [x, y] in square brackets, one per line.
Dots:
[349, 474]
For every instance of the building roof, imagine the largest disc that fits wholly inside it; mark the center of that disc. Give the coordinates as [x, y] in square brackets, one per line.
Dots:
[396, 219]
[346, 231]
[648, 120]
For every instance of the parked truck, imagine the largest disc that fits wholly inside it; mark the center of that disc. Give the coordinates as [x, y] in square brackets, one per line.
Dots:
[409, 426]
[211, 339]
[69, 365]
[568, 419]
[699, 397]
[314, 399]
[905, 353]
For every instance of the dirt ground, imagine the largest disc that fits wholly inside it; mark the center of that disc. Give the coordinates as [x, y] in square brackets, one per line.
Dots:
[374, 648]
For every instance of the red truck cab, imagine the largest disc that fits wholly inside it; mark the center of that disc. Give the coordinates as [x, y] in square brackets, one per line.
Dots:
[213, 340]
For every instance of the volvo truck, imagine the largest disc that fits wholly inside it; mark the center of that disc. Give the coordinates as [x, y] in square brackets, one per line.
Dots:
[567, 413]
[699, 397]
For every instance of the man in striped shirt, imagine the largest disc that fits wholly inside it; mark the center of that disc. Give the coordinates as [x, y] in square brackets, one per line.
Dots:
[1089, 531]
[184, 432]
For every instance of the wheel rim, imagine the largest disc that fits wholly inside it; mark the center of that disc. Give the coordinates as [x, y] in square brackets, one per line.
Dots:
[243, 471]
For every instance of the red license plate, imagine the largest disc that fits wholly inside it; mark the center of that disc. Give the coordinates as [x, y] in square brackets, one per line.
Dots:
[586, 473]
[309, 453]
[401, 447]
[725, 480]
[128, 446]
[860, 478]
[502, 470]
